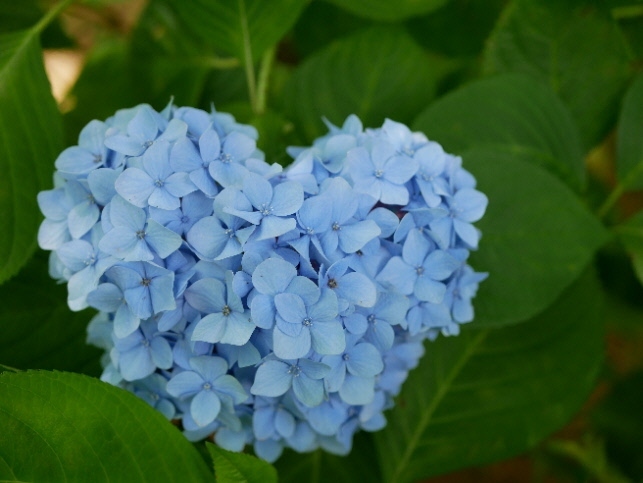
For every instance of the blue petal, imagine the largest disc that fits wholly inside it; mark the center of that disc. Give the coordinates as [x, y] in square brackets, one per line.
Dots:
[309, 391]
[287, 347]
[107, 297]
[357, 390]
[263, 311]
[163, 240]
[257, 190]
[273, 275]
[287, 198]
[205, 407]
[355, 236]
[210, 367]
[273, 379]
[358, 289]
[184, 384]
[210, 328]
[206, 295]
[398, 275]
[161, 353]
[135, 186]
[101, 183]
[136, 363]
[290, 307]
[82, 218]
[364, 360]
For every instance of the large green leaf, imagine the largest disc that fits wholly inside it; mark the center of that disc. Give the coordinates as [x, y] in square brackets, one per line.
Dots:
[509, 110]
[30, 139]
[38, 329]
[631, 234]
[387, 10]
[630, 137]
[493, 393]
[579, 51]
[376, 73]
[243, 28]
[232, 467]
[537, 238]
[67, 427]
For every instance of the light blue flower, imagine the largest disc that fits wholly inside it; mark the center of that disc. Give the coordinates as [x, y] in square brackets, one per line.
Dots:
[464, 208]
[134, 237]
[226, 320]
[419, 270]
[305, 324]
[156, 184]
[142, 352]
[153, 391]
[381, 173]
[194, 207]
[274, 378]
[90, 154]
[208, 384]
[271, 205]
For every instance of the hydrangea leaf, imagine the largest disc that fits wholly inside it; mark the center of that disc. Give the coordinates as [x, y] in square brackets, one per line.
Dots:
[533, 246]
[243, 28]
[39, 330]
[83, 429]
[362, 74]
[580, 52]
[387, 11]
[320, 466]
[493, 393]
[30, 139]
[525, 114]
[629, 161]
[232, 467]
[631, 234]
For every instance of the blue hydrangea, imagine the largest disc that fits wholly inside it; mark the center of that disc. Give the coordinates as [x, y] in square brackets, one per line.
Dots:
[267, 307]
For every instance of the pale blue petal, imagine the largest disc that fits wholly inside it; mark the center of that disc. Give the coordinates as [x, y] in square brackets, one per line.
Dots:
[358, 289]
[238, 329]
[314, 370]
[290, 307]
[135, 186]
[439, 265]
[398, 275]
[210, 367]
[101, 183]
[125, 214]
[184, 156]
[429, 290]
[82, 218]
[357, 390]
[309, 391]
[163, 199]
[364, 360]
[209, 145]
[273, 226]
[273, 275]
[328, 338]
[355, 236]
[284, 423]
[107, 297]
[257, 190]
[210, 328]
[206, 295]
[287, 347]
[161, 352]
[205, 407]
[162, 240]
[273, 379]
[120, 242]
[263, 311]
[136, 363]
[179, 185]
[185, 384]
[229, 385]
[287, 198]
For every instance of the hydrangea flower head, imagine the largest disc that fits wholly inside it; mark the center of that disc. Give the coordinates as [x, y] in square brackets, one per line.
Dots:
[279, 309]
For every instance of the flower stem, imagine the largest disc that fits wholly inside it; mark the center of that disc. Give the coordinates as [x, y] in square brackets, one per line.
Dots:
[50, 16]
[616, 194]
[264, 75]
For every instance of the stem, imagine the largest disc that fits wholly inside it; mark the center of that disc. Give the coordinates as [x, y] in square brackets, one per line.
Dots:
[247, 54]
[264, 74]
[9, 368]
[50, 16]
[616, 194]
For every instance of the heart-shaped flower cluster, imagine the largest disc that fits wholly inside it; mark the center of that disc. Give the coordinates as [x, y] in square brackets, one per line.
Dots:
[279, 308]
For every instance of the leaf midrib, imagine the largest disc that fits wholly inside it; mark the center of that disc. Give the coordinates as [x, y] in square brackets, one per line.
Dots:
[427, 416]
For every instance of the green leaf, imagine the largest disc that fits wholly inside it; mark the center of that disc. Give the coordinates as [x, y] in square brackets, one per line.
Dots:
[579, 52]
[69, 427]
[377, 73]
[536, 237]
[30, 139]
[38, 329]
[387, 11]
[243, 28]
[232, 467]
[491, 394]
[630, 137]
[321, 466]
[631, 234]
[509, 110]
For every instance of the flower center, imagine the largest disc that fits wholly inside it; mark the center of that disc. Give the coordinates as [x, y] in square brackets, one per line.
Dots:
[307, 322]
[98, 158]
[225, 158]
[206, 386]
[346, 357]
[226, 310]
[145, 282]
[265, 209]
[371, 318]
[159, 182]
[185, 219]
[336, 226]
[140, 234]
[419, 270]
[294, 371]
[378, 173]
[332, 283]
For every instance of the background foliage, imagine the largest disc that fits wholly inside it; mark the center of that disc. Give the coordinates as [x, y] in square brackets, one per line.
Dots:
[543, 100]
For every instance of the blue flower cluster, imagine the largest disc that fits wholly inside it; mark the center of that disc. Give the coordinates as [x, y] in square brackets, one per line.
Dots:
[265, 307]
